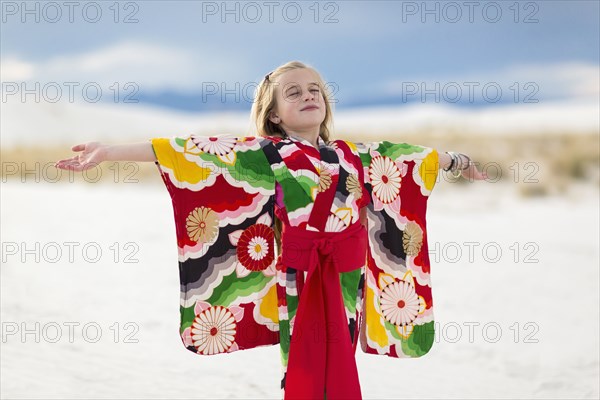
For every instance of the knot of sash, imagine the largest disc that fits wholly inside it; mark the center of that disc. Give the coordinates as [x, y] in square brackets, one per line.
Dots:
[321, 357]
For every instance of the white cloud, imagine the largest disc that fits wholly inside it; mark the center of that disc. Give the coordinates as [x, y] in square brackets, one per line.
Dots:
[151, 66]
[126, 54]
[574, 80]
[12, 69]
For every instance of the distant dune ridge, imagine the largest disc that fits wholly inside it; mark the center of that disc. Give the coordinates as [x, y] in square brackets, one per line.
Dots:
[30, 123]
[541, 147]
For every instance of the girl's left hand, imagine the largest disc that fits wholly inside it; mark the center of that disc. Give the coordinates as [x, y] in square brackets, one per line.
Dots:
[472, 173]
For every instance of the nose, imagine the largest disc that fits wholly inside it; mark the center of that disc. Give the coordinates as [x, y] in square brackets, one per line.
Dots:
[308, 95]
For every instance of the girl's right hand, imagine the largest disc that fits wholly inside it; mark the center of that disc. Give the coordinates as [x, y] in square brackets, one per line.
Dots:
[92, 154]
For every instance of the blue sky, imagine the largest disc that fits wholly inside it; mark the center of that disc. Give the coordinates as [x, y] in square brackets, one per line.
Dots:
[368, 50]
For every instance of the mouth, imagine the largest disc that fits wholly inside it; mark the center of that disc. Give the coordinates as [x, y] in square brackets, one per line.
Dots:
[308, 108]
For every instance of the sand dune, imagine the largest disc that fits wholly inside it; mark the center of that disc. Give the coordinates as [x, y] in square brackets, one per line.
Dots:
[538, 301]
[34, 123]
[540, 294]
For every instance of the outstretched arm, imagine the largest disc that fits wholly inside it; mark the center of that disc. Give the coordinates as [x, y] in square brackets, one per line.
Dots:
[444, 159]
[468, 168]
[93, 153]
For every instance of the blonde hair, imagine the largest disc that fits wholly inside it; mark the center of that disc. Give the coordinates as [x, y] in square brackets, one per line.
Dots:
[265, 102]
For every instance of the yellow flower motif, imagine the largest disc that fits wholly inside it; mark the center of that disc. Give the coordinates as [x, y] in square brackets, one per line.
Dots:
[324, 180]
[412, 238]
[202, 224]
[353, 186]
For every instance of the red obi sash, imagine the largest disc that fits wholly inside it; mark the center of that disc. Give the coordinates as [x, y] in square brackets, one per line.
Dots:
[321, 357]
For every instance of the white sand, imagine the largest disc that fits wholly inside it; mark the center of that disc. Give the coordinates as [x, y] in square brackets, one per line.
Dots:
[559, 295]
[43, 123]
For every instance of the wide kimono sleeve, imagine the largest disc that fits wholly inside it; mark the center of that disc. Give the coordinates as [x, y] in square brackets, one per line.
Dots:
[222, 190]
[397, 309]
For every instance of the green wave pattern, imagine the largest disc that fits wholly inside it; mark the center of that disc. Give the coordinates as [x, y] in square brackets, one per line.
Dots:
[250, 166]
[419, 342]
[227, 292]
[296, 197]
[349, 283]
[395, 150]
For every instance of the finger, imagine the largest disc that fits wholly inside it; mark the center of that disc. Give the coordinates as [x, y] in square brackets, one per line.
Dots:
[67, 167]
[60, 163]
[76, 167]
[72, 164]
[67, 159]
[78, 147]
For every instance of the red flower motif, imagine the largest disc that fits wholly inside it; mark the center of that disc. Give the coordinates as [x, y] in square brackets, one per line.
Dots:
[254, 249]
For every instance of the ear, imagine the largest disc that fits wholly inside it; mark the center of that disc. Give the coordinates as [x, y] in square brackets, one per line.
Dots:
[274, 118]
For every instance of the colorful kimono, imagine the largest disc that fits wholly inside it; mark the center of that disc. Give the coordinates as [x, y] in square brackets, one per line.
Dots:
[336, 280]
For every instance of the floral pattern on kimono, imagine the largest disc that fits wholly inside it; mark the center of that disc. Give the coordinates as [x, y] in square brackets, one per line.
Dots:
[236, 293]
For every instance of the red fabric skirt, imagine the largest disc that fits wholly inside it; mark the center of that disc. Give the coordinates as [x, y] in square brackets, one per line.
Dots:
[321, 357]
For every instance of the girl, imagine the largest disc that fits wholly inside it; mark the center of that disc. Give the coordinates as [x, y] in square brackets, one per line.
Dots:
[347, 220]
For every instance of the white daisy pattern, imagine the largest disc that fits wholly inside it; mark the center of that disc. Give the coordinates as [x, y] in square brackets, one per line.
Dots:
[213, 330]
[334, 224]
[217, 145]
[399, 303]
[385, 178]
[258, 248]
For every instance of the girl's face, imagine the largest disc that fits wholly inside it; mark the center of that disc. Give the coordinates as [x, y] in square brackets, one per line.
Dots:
[300, 105]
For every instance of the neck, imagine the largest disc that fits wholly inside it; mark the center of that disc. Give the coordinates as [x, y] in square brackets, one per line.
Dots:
[310, 135]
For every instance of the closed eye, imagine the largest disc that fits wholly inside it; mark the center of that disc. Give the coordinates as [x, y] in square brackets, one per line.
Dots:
[296, 93]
